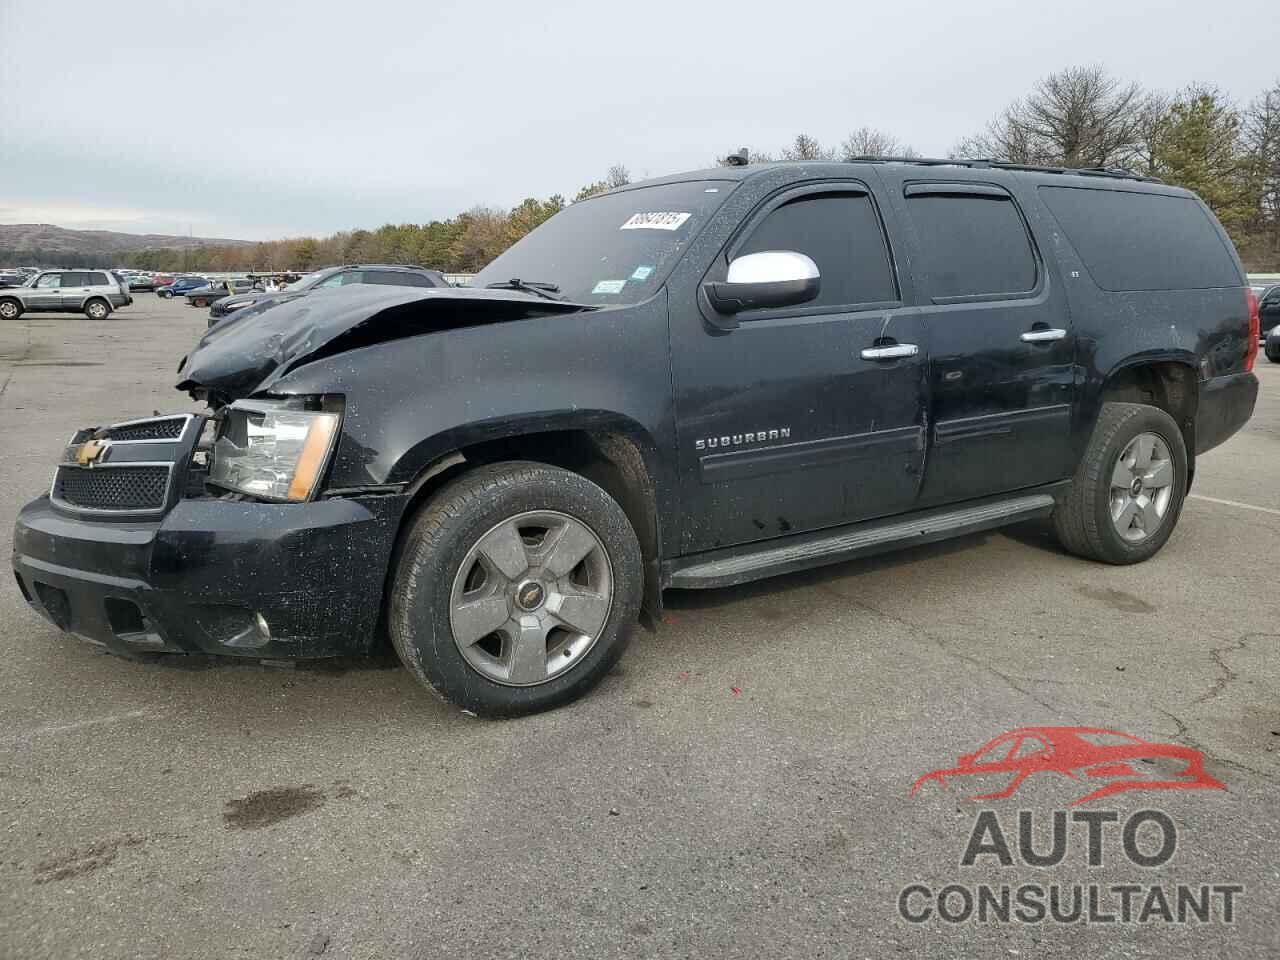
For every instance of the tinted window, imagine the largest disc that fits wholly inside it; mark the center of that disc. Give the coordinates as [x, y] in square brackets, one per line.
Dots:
[396, 278]
[842, 235]
[75, 279]
[972, 246]
[97, 279]
[1142, 241]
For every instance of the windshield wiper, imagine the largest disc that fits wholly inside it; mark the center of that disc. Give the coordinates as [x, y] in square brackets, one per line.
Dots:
[547, 290]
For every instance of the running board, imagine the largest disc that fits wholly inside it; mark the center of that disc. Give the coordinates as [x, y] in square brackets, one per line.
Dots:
[725, 568]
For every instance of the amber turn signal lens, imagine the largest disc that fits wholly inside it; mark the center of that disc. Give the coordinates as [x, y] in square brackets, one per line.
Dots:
[314, 449]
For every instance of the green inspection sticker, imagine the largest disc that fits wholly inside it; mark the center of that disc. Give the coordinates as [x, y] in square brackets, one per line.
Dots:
[642, 273]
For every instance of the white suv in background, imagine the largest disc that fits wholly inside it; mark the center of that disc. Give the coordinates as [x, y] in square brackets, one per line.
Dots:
[95, 293]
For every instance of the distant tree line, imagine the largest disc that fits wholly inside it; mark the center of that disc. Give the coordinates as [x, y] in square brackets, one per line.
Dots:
[1197, 137]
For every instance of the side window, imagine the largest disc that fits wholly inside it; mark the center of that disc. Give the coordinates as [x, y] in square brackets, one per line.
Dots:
[74, 280]
[972, 245]
[97, 279]
[396, 278]
[340, 279]
[841, 233]
[1142, 241]
[50, 281]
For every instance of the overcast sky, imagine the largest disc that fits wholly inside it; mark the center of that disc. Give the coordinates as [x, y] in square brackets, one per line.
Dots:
[267, 119]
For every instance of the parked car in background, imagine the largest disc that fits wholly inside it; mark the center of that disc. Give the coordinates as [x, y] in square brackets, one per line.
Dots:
[390, 274]
[218, 290]
[140, 281]
[12, 279]
[95, 293]
[181, 286]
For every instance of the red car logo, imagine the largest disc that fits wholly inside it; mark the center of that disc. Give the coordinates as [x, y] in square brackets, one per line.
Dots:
[1079, 753]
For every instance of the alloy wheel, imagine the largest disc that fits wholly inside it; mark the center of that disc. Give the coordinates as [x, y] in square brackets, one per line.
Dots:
[531, 598]
[1141, 487]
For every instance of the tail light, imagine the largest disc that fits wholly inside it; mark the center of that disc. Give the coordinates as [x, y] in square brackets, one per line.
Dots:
[1255, 329]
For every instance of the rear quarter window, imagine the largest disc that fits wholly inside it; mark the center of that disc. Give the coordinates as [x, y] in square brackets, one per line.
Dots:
[1142, 241]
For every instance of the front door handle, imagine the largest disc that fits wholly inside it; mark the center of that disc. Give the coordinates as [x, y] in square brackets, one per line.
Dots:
[1043, 336]
[893, 352]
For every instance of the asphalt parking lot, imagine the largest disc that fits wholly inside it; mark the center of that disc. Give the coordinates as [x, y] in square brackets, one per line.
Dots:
[738, 787]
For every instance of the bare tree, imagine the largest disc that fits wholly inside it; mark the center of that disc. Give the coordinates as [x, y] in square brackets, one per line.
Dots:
[1077, 117]
[805, 147]
[618, 176]
[1261, 139]
[869, 142]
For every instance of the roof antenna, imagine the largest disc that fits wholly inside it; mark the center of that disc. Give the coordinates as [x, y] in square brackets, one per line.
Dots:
[739, 159]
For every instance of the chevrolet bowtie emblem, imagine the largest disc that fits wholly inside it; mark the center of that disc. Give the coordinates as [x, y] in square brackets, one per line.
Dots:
[90, 451]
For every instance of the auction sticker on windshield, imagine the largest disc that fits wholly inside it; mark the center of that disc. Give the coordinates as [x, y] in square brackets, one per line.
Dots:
[609, 286]
[655, 221]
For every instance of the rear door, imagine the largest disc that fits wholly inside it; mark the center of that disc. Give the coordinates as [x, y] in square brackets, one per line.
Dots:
[75, 288]
[1000, 339]
[99, 283]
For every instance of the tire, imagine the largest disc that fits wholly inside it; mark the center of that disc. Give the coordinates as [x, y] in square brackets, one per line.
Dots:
[441, 563]
[10, 309]
[164, 294]
[1272, 355]
[97, 309]
[1100, 518]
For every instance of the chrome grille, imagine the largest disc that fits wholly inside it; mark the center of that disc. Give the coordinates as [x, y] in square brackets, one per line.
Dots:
[113, 488]
[168, 428]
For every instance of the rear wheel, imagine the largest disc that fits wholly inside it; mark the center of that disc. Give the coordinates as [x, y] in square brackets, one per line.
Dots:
[516, 589]
[10, 309]
[97, 309]
[1127, 493]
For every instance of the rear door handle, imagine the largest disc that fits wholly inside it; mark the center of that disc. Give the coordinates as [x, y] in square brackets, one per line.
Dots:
[1043, 336]
[894, 352]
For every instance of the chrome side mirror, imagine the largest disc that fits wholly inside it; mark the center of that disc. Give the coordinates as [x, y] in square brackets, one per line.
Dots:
[771, 278]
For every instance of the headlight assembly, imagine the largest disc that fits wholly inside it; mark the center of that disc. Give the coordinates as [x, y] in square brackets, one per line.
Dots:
[273, 449]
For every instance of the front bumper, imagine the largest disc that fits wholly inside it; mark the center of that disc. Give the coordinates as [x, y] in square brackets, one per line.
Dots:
[1225, 405]
[209, 575]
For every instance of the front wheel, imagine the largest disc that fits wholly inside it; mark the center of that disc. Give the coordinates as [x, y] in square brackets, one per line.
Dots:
[1273, 353]
[164, 294]
[517, 588]
[96, 310]
[1127, 493]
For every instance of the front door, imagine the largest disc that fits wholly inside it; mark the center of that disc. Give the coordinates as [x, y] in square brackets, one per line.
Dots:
[46, 294]
[783, 424]
[1000, 339]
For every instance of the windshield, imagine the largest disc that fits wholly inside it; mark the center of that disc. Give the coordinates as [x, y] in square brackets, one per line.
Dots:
[305, 283]
[616, 248]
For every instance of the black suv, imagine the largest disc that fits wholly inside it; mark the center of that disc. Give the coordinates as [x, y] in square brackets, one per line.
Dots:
[695, 381]
[391, 274]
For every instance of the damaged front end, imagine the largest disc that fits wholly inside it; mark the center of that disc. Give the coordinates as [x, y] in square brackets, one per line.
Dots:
[216, 532]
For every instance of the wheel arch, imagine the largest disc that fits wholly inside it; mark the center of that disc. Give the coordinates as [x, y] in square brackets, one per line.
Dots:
[612, 451]
[1167, 381]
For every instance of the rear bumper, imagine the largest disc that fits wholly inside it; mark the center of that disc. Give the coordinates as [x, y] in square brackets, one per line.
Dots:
[211, 573]
[1226, 404]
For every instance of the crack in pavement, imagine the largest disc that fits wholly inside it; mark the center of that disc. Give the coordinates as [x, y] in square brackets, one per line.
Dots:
[1228, 674]
[943, 645]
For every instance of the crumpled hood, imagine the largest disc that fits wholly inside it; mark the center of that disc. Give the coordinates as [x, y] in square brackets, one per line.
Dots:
[252, 348]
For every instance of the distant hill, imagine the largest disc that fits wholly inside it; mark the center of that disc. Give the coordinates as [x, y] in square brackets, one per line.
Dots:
[51, 240]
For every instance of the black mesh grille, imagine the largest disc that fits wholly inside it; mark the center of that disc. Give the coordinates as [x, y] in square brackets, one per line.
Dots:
[114, 488]
[149, 430]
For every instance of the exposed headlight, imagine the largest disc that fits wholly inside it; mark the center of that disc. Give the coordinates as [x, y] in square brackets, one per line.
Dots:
[273, 449]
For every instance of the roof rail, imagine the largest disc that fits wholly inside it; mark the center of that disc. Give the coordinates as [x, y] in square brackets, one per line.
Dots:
[977, 163]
